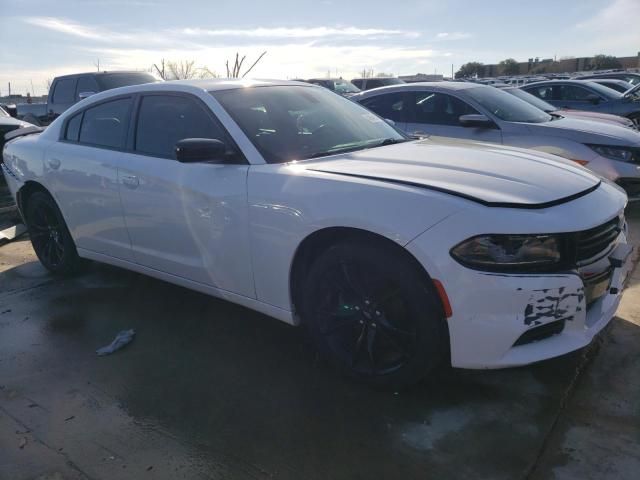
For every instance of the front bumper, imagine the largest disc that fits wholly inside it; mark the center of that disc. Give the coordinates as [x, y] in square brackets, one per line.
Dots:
[492, 313]
[506, 307]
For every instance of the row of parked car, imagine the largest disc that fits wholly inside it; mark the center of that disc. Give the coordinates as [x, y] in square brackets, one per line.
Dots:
[397, 255]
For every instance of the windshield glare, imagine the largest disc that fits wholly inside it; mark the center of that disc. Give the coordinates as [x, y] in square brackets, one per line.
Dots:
[342, 86]
[507, 107]
[288, 123]
[532, 99]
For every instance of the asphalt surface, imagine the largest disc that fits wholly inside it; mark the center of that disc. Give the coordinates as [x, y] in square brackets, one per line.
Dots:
[210, 390]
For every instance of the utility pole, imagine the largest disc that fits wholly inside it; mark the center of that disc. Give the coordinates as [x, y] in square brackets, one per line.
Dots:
[9, 88]
[452, 71]
[32, 91]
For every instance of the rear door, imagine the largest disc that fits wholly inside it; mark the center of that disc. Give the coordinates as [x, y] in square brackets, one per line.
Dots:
[81, 170]
[436, 113]
[185, 219]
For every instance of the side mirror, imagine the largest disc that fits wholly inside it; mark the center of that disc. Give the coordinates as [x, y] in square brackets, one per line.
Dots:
[593, 98]
[390, 122]
[475, 120]
[83, 95]
[191, 150]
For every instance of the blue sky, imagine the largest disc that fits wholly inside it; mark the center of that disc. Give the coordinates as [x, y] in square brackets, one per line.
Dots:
[44, 38]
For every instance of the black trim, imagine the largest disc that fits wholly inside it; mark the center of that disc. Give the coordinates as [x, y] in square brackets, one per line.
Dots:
[527, 206]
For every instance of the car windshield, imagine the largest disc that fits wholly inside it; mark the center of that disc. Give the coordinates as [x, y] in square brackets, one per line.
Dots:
[633, 93]
[342, 86]
[606, 92]
[115, 80]
[532, 99]
[507, 107]
[390, 81]
[287, 123]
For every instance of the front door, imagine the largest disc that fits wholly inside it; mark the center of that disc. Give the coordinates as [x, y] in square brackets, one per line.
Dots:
[186, 219]
[437, 114]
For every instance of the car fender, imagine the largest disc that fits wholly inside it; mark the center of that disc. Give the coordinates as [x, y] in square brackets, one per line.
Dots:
[312, 201]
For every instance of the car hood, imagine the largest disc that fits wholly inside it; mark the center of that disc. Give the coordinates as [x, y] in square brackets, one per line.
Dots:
[489, 174]
[595, 116]
[587, 131]
[14, 122]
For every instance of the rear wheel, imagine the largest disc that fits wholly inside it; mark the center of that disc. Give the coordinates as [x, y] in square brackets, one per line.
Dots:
[49, 235]
[373, 315]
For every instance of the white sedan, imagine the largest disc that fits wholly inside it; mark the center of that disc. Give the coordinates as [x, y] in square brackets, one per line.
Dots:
[397, 255]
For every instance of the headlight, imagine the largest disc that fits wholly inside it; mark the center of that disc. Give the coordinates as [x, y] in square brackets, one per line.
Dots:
[511, 253]
[620, 154]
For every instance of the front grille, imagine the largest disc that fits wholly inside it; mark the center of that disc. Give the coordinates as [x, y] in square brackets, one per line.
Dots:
[541, 332]
[597, 240]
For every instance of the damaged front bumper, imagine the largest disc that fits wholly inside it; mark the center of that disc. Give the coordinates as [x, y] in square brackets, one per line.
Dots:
[559, 313]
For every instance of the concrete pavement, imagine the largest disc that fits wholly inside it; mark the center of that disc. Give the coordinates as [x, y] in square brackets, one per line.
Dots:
[212, 390]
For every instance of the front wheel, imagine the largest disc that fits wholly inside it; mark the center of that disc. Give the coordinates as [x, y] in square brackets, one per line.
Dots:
[49, 235]
[373, 315]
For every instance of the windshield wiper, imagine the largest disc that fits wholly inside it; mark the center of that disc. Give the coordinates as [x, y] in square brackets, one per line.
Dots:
[391, 141]
[353, 148]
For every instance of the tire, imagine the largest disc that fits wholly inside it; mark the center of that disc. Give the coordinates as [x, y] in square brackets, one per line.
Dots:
[372, 314]
[50, 236]
[635, 118]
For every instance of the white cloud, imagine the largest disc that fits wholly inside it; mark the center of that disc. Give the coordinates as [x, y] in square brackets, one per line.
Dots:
[64, 26]
[614, 27]
[284, 32]
[453, 36]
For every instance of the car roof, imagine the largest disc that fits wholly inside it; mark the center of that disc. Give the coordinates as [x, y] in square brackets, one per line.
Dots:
[100, 74]
[192, 86]
[417, 86]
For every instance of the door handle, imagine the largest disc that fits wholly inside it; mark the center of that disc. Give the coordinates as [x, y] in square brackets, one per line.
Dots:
[53, 163]
[130, 181]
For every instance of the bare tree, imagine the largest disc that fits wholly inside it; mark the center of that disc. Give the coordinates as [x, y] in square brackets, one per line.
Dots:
[161, 69]
[206, 72]
[236, 69]
[182, 70]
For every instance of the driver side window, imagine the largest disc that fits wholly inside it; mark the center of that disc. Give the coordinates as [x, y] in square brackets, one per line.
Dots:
[572, 92]
[163, 120]
[440, 109]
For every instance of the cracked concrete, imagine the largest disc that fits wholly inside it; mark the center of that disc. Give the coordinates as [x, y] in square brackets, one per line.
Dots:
[211, 390]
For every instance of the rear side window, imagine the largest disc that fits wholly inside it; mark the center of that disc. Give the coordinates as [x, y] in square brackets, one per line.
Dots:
[545, 92]
[391, 106]
[86, 84]
[64, 91]
[73, 128]
[374, 84]
[163, 120]
[105, 125]
[357, 83]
